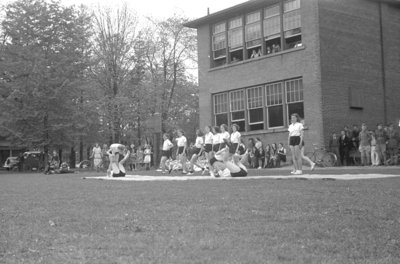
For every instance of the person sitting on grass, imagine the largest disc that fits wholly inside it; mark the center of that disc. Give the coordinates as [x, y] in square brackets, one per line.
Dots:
[117, 160]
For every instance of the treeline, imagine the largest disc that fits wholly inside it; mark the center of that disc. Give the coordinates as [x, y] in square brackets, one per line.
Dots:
[71, 76]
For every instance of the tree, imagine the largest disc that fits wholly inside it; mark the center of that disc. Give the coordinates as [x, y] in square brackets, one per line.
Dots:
[169, 48]
[114, 62]
[46, 51]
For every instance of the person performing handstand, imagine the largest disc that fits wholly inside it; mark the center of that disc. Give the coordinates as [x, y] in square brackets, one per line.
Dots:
[117, 160]
[227, 164]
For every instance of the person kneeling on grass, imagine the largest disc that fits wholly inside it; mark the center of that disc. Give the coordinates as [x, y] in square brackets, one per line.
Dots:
[117, 160]
[227, 164]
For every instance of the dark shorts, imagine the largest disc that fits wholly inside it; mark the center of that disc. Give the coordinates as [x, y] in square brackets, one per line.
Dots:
[222, 145]
[233, 148]
[196, 151]
[180, 150]
[208, 148]
[216, 147]
[213, 160]
[166, 153]
[241, 173]
[294, 141]
[120, 174]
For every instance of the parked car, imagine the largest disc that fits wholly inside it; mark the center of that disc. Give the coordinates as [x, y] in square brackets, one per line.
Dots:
[33, 161]
[11, 163]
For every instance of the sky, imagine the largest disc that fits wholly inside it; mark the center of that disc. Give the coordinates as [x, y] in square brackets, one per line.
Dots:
[164, 8]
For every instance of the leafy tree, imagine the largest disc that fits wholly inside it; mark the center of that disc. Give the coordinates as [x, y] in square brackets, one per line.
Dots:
[169, 48]
[44, 55]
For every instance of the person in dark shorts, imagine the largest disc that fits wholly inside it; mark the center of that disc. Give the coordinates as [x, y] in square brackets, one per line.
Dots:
[295, 141]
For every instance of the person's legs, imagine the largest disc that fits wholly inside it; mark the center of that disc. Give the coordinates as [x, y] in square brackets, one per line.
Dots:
[182, 159]
[299, 158]
[294, 158]
[312, 164]
[162, 163]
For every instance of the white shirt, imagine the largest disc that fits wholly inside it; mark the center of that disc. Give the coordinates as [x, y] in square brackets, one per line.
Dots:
[181, 141]
[217, 139]
[167, 145]
[199, 142]
[235, 137]
[208, 138]
[225, 135]
[295, 129]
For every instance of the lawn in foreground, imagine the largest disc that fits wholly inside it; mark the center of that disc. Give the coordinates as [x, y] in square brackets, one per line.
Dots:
[64, 219]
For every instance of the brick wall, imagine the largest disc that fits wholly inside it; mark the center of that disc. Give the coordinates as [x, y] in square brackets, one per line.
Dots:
[300, 63]
[351, 57]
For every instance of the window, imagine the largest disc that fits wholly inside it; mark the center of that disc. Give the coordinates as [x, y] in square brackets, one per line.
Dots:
[256, 108]
[253, 33]
[356, 98]
[235, 39]
[272, 29]
[280, 30]
[219, 44]
[238, 109]
[260, 107]
[292, 24]
[274, 96]
[294, 97]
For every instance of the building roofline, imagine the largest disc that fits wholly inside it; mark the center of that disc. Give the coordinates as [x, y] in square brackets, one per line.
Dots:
[231, 11]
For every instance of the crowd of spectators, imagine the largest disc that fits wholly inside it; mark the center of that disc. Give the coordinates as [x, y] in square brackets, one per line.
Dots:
[366, 146]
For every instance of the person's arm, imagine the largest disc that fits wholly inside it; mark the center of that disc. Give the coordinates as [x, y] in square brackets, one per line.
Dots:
[128, 153]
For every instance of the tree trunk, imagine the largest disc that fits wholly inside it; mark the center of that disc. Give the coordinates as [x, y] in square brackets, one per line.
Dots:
[72, 158]
[80, 150]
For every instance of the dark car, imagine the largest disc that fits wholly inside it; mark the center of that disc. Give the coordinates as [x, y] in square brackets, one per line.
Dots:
[33, 161]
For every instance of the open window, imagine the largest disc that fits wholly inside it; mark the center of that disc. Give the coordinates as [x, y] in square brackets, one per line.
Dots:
[272, 29]
[219, 44]
[292, 24]
[253, 35]
[235, 39]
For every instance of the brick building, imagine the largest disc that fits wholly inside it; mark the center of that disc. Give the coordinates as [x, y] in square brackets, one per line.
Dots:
[335, 63]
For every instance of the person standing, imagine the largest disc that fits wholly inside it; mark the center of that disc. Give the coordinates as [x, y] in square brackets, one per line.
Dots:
[181, 142]
[334, 146]
[295, 141]
[344, 148]
[365, 145]
[166, 152]
[225, 136]
[97, 156]
[393, 145]
[381, 138]
[197, 151]
[235, 139]
[374, 151]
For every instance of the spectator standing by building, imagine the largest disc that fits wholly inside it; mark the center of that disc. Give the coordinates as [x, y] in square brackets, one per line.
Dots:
[381, 139]
[259, 153]
[147, 156]
[267, 156]
[354, 137]
[344, 148]
[181, 142]
[334, 146]
[374, 150]
[393, 145]
[365, 145]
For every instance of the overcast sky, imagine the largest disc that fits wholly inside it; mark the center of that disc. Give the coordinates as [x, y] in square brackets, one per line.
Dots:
[164, 8]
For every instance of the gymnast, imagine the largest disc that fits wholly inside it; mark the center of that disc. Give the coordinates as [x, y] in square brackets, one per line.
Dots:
[117, 160]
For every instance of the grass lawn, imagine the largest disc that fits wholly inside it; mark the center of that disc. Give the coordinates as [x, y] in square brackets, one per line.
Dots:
[65, 219]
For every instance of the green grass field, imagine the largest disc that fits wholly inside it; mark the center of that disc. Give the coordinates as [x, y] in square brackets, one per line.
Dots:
[65, 219]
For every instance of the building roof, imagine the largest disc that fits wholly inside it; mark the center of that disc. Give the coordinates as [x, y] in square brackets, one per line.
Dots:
[239, 9]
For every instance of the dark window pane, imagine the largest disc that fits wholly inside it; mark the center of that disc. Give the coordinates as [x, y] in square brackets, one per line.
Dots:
[275, 116]
[237, 115]
[221, 119]
[241, 124]
[256, 127]
[296, 108]
[256, 115]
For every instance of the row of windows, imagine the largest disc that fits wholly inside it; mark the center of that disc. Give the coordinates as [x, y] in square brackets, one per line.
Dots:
[261, 107]
[265, 31]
